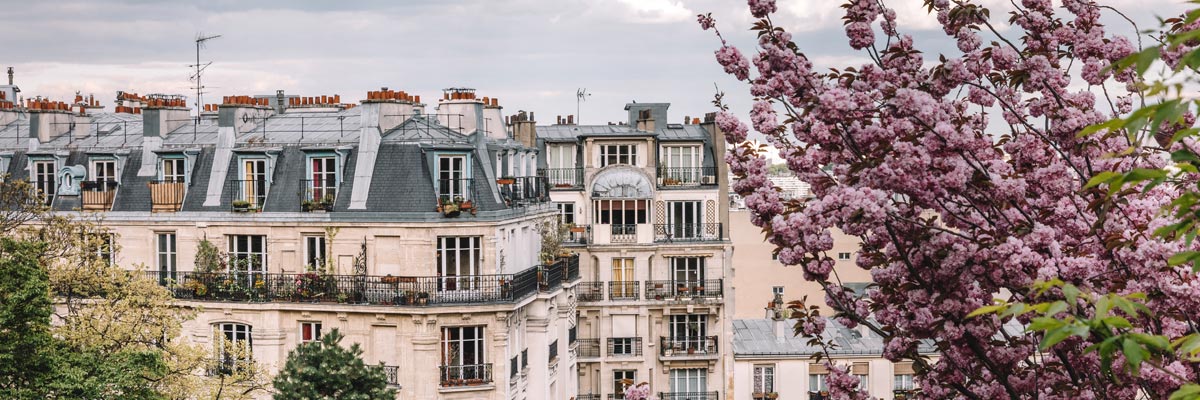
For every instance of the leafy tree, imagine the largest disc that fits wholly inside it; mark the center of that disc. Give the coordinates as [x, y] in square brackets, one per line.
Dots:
[326, 370]
[25, 309]
[974, 175]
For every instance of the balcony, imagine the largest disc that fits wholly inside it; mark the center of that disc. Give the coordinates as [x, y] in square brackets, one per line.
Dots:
[623, 290]
[822, 395]
[97, 195]
[764, 396]
[689, 396]
[590, 291]
[688, 347]
[166, 195]
[623, 233]
[625, 347]
[392, 374]
[563, 178]
[247, 195]
[588, 348]
[901, 394]
[451, 190]
[317, 195]
[677, 290]
[578, 235]
[681, 177]
[524, 190]
[686, 233]
[366, 289]
[466, 375]
[588, 396]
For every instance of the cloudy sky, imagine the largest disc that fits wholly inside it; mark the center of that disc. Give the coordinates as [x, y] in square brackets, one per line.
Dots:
[532, 54]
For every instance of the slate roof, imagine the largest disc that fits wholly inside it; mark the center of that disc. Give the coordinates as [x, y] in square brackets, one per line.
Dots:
[756, 337]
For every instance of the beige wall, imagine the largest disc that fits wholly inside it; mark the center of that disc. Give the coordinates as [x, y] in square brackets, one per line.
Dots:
[755, 273]
[792, 376]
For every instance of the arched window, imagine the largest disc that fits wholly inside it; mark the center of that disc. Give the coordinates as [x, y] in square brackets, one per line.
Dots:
[233, 346]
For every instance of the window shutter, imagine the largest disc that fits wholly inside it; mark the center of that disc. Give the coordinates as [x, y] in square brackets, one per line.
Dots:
[903, 368]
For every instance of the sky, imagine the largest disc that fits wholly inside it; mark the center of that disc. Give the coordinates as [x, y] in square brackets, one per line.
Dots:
[531, 54]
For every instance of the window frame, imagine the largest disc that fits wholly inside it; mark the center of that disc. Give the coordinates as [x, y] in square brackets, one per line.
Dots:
[618, 154]
[323, 183]
[479, 343]
[321, 247]
[45, 182]
[230, 332]
[313, 333]
[175, 175]
[449, 250]
[449, 182]
[763, 378]
[166, 254]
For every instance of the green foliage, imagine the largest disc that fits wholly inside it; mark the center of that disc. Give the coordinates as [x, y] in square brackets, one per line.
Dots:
[25, 310]
[208, 257]
[326, 370]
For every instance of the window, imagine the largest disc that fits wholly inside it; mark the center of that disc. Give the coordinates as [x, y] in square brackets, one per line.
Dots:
[690, 328]
[863, 383]
[689, 380]
[104, 171]
[234, 345]
[816, 383]
[314, 252]
[620, 377]
[620, 212]
[253, 186]
[566, 213]
[553, 351]
[560, 156]
[903, 382]
[618, 154]
[104, 247]
[463, 352]
[684, 219]
[166, 255]
[680, 165]
[622, 278]
[324, 178]
[452, 178]
[623, 346]
[843, 256]
[173, 169]
[687, 270]
[764, 378]
[248, 256]
[458, 261]
[777, 290]
[310, 332]
[44, 179]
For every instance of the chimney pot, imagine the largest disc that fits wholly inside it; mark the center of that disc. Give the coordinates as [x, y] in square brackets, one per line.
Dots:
[417, 99]
[10, 75]
[571, 119]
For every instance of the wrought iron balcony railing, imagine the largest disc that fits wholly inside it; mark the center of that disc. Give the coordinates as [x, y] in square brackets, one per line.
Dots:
[466, 375]
[623, 290]
[166, 195]
[686, 176]
[588, 348]
[563, 178]
[524, 189]
[317, 195]
[687, 346]
[673, 233]
[590, 291]
[625, 346]
[689, 396]
[247, 195]
[673, 289]
[393, 373]
[97, 195]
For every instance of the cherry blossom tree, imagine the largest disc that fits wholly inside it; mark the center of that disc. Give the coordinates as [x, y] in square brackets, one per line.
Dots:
[991, 172]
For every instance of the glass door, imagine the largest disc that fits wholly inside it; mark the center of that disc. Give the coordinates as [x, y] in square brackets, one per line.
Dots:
[254, 184]
[684, 219]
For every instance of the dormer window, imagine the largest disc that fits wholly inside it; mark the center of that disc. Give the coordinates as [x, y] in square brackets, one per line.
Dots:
[618, 154]
[98, 191]
[453, 179]
[44, 179]
[320, 189]
[173, 169]
[167, 192]
[680, 165]
[251, 189]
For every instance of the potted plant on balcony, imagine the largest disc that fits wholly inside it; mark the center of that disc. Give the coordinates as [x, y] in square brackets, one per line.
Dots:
[389, 279]
[773, 395]
[506, 180]
[241, 206]
[450, 208]
[758, 395]
[422, 298]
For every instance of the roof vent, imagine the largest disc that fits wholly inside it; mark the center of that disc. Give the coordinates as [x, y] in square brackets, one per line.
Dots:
[674, 126]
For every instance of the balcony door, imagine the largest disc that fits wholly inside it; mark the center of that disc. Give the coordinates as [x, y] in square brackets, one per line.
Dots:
[463, 354]
[688, 332]
[689, 380]
[458, 263]
[452, 182]
[248, 257]
[622, 277]
[254, 181]
[620, 377]
[324, 178]
[684, 219]
[681, 165]
[687, 271]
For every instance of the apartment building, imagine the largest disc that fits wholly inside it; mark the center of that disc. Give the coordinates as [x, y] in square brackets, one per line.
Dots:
[414, 231]
[646, 202]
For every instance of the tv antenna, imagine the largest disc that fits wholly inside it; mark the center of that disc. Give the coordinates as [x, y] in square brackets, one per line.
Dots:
[581, 96]
[200, 43]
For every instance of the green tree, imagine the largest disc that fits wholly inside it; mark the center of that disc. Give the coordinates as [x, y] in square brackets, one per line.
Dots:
[326, 370]
[25, 310]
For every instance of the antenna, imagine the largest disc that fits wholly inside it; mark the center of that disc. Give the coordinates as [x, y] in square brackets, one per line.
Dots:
[200, 40]
[581, 95]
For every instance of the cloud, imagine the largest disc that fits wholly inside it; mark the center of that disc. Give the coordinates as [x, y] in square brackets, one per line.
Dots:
[656, 11]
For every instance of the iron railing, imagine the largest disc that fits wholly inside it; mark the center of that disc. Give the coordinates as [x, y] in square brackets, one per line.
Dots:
[97, 195]
[553, 276]
[588, 396]
[686, 176]
[625, 346]
[676, 346]
[317, 195]
[563, 178]
[668, 233]
[578, 234]
[166, 195]
[572, 335]
[673, 289]
[164, 278]
[572, 269]
[392, 373]
[624, 233]
[588, 348]
[553, 351]
[466, 375]
[822, 395]
[366, 289]
[623, 290]
[524, 189]
[901, 394]
[689, 396]
[450, 190]
[247, 194]
[590, 291]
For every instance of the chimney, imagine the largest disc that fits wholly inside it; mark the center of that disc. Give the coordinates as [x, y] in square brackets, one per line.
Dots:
[645, 116]
[645, 121]
[164, 114]
[524, 128]
[719, 145]
[571, 119]
[461, 111]
[778, 312]
[10, 75]
[49, 120]
[382, 110]
[493, 119]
